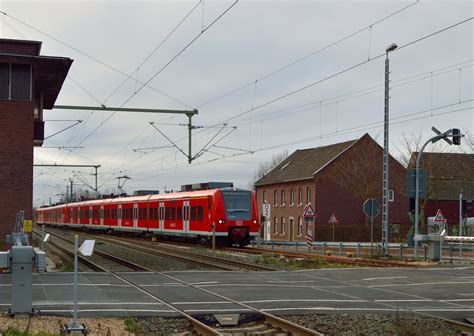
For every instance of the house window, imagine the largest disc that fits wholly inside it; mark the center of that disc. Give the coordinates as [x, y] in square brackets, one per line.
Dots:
[300, 226]
[283, 224]
[308, 195]
[300, 196]
[20, 82]
[292, 196]
[275, 225]
[391, 196]
[275, 198]
[282, 197]
[4, 81]
[264, 198]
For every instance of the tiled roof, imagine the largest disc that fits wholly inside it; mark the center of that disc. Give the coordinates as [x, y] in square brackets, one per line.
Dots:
[304, 163]
[448, 174]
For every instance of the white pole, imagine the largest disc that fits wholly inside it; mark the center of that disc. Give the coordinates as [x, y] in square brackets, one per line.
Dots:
[460, 224]
[76, 244]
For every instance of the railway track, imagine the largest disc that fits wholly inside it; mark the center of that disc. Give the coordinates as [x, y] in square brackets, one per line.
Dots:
[92, 265]
[186, 256]
[270, 325]
[332, 259]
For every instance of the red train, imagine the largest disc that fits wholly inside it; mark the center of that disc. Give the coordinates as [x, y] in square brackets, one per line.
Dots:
[185, 214]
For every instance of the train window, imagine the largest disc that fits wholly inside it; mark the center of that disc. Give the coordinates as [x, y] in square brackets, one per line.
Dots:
[155, 213]
[167, 213]
[200, 213]
[173, 213]
[193, 213]
[180, 213]
[140, 213]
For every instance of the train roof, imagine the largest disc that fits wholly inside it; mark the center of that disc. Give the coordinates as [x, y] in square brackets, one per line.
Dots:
[138, 199]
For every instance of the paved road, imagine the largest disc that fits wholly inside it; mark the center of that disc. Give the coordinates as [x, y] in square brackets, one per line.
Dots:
[442, 291]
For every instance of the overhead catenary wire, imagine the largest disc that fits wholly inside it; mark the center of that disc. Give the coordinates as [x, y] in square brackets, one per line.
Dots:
[95, 59]
[327, 135]
[345, 70]
[161, 70]
[307, 56]
[402, 81]
[162, 42]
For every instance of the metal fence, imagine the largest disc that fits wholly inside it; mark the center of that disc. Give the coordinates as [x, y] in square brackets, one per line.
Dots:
[451, 251]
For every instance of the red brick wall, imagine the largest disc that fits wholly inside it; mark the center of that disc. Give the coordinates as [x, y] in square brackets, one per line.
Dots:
[332, 197]
[329, 196]
[288, 210]
[16, 163]
[19, 48]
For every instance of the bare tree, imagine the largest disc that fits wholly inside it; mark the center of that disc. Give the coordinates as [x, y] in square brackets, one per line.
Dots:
[264, 167]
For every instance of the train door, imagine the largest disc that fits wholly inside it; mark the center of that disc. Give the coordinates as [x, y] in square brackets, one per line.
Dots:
[135, 215]
[162, 216]
[101, 215]
[186, 216]
[119, 215]
[90, 215]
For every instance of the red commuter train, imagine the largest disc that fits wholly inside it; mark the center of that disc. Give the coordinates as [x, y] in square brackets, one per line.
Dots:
[185, 214]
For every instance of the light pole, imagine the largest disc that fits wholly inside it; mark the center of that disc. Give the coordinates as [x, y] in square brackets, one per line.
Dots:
[386, 155]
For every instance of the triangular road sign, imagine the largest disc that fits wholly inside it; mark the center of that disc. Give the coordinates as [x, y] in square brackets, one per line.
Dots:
[309, 212]
[439, 217]
[333, 219]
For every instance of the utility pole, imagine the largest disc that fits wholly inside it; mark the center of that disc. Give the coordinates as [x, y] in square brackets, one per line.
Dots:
[75, 166]
[71, 192]
[188, 113]
[386, 155]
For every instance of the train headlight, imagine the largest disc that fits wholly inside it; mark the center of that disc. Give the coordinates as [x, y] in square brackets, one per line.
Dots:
[255, 221]
[221, 221]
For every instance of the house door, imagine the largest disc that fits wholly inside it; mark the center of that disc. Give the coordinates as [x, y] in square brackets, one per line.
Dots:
[291, 236]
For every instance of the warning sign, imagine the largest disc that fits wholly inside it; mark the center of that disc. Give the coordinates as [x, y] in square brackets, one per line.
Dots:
[27, 226]
[439, 218]
[333, 219]
[308, 212]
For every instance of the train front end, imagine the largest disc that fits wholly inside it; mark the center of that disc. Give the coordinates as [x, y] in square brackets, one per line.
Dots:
[239, 216]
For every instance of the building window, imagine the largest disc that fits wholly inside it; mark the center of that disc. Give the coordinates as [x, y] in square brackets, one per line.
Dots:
[282, 197]
[275, 225]
[391, 196]
[308, 195]
[4, 81]
[264, 197]
[283, 224]
[291, 228]
[275, 198]
[300, 196]
[292, 196]
[300, 226]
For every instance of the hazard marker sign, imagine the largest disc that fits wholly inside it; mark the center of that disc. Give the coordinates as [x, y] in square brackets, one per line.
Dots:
[333, 219]
[439, 218]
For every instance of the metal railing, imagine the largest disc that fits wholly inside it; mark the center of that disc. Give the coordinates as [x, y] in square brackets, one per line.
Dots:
[451, 251]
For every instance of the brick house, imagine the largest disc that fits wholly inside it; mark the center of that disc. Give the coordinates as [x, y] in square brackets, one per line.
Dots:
[448, 175]
[336, 179]
[29, 83]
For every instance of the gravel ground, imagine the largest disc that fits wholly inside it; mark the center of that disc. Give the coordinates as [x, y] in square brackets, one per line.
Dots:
[328, 324]
[52, 325]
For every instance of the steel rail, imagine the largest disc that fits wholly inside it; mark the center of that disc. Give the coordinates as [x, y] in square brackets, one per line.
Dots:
[333, 259]
[198, 258]
[203, 329]
[133, 266]
[93, 266]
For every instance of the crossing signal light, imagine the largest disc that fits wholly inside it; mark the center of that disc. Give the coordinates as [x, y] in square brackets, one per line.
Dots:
[456, 136]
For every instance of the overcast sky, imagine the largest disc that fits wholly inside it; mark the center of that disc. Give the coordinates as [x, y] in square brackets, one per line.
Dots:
[432, 81]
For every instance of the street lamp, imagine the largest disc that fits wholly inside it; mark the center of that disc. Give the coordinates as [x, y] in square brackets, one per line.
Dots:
[386, 155]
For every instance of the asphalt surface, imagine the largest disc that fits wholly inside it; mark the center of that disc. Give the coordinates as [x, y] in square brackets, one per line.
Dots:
[443, 291]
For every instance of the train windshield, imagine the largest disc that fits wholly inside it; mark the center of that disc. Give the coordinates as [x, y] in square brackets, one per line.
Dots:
[238, 204]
